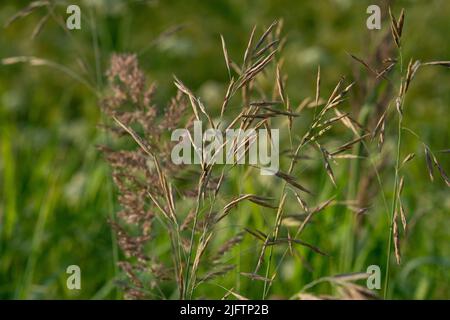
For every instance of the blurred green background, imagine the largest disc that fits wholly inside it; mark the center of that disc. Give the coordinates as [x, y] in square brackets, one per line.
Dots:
[56, 191]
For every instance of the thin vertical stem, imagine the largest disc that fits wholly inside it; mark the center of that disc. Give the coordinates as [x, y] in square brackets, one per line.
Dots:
[394, 200]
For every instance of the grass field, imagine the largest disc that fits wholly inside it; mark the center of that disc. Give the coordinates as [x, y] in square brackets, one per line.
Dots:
[56, 188]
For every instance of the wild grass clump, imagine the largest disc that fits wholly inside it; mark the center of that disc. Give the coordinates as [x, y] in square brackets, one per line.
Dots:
[185, 228]
[188, 207]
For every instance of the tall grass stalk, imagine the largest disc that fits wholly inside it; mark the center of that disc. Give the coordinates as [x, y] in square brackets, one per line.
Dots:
[395, 187]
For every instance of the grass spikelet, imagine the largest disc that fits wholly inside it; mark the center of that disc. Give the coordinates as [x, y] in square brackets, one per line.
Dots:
[26, 11]
[249, 48]
[200, 251]
[265, 35]
[262, 51]
[255, 276]
[292, 181]
[445, 64]
[429, 162]
[317, 87]
[408, 158]
[395, 29]
[401, 21]
[216, 273]
[328, 168]
[262, 201]
[382, 133]
[401, 185]
[410, 73]
[225, 54]
[302, 203]
[396, 236]
[403, 217]
[441, 171]
[257, 234]
[365, 64]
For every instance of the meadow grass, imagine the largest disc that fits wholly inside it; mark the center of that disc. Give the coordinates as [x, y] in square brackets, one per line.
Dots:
[57, 192]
